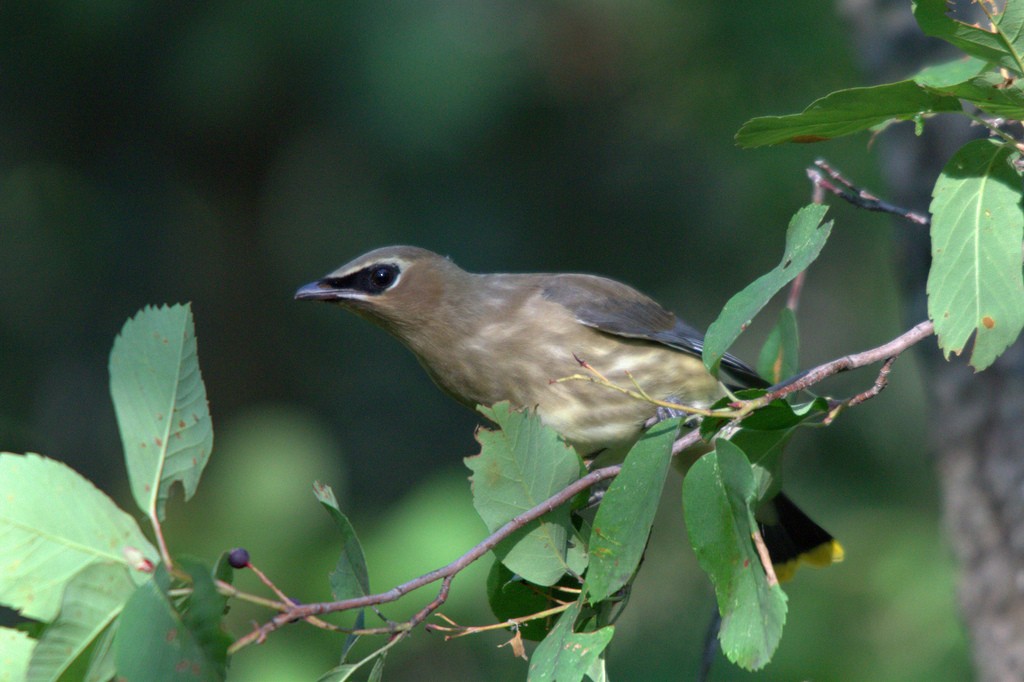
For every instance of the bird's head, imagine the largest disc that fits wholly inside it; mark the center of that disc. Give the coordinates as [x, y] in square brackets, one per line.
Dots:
[399, 288]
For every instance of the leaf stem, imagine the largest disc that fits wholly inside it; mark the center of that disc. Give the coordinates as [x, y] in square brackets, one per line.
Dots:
[158, 532]
[994, 129]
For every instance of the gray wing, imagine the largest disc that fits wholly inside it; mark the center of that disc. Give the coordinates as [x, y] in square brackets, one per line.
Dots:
[615, 308]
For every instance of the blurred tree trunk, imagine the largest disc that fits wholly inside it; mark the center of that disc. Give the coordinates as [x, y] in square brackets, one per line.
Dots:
[977, 420]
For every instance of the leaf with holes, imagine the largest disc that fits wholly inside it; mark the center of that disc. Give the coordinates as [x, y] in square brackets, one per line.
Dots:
[519, 466]
[566, 655]
[160, 401]
[15, 651]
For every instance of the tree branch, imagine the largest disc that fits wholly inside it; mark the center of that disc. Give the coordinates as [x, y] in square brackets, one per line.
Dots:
[445, 573]
[886, 352]
[893, 348]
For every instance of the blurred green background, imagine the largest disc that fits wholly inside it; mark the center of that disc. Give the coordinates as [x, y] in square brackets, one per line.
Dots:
[226, 152]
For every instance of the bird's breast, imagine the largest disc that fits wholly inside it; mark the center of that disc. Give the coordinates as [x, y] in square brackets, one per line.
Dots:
[595, 416]
[529, 356]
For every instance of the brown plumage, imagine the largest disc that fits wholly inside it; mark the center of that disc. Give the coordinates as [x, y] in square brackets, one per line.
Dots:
[488, 338]
[491, 338]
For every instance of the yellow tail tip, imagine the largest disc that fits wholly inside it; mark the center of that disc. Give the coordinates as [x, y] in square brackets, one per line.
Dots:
[821, 556]
[824, 555]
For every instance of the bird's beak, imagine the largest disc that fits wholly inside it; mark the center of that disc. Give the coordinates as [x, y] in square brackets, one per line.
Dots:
[319, 291]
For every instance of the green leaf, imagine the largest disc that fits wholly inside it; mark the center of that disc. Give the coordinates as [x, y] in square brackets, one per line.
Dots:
[161, 407]
[763, 434]
[992, 94]
[779, 358]
[341, 673]
[511, 597]
[776, 415]
[1002, 47]
[222, 570]
[566, 656]
[719, 495]
[764, 450]
[352, 638]
[377, 671]
[779, 414]
[975, 285]
[597, 671]
[710, 426]
[805, 238]
[154, 643]
[520, 466]
[845, 112]
[101, 657]
[350, 578]
[623, 521]
[91, 602]
[577, 554]
[951, 72]
[203, 611]
[15, 650]
[53, 524]
[345, 671]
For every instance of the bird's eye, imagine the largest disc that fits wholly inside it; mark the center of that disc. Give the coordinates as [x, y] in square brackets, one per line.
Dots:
[382, 277]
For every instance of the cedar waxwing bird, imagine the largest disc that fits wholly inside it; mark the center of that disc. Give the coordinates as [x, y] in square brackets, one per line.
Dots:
[484, 339]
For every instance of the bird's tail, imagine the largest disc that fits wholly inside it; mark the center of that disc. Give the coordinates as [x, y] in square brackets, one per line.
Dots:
[793, 538]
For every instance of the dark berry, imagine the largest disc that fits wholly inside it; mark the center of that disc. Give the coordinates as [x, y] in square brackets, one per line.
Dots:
[238, 557]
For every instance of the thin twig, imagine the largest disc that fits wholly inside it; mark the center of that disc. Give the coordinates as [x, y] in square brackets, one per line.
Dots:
[229, 590]
[269, 583]
[639, 394]
[442, 596]
[455, 630]
[880, 383]
[858, 197]
[285, 599]
[445, 573]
